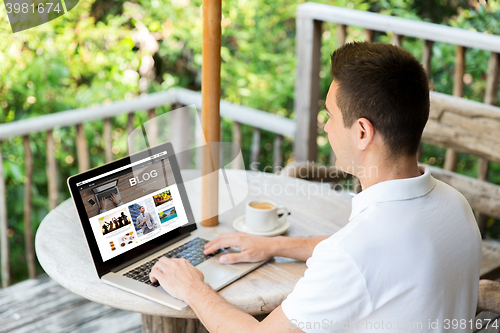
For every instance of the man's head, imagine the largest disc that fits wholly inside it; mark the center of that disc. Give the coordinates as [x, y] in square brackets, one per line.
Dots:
[142, 209]
[378, 103]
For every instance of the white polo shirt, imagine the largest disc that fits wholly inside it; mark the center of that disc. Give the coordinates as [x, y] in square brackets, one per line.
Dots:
[408, 260]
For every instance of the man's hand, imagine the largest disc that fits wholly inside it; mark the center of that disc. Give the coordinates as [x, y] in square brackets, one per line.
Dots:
[253, 248]
[103, 203]
[144, 219]
[114, 199]
[179, 278]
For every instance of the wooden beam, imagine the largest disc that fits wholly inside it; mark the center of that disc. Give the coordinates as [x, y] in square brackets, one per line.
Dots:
[4, 239]
[52, 174]
[398, 25]
[28, 183]
[482, 196]
[82, 150]
[210, 90]
[308, 50]
[463, 125]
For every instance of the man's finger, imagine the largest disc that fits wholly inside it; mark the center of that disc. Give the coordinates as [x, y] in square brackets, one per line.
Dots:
[164, 260]
[233, 258]
[217, 243]
[155, 273]
[152, 277]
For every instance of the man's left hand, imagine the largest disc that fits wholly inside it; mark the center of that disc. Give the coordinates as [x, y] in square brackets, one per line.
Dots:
[113, 198]
[179, 278]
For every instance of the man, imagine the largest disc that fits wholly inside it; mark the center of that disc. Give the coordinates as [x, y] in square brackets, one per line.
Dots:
[145, 221]
[409, 257]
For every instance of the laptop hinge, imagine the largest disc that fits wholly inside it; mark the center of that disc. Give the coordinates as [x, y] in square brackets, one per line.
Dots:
[150, 252]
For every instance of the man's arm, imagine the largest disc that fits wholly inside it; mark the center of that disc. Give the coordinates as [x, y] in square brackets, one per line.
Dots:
[182, 280]
[256, 248]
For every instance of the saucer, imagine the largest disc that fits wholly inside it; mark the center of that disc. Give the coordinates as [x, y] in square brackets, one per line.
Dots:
[240, 225]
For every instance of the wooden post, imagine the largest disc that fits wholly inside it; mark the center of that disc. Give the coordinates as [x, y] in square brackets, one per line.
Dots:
[490, 97]
[130, 123]
[369, 35]
[4, 239]
[210, 90]
[180, 134]
[308, 49]
[277, 154]
[53, 188]
[156, 324]
[396, 39]
[82, 150]
[152, 129]
[28, 235]
[426, 59]
[426, 63]
[451, 158]
[237, 144]
[108, 141]
[255, 149]
[341, 34]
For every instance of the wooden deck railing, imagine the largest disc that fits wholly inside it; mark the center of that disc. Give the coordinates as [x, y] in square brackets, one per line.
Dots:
[260, 120]
[472, 138]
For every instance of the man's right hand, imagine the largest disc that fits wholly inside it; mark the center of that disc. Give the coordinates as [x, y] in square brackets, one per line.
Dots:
[103, 203]
[253, 248]
[144, 219]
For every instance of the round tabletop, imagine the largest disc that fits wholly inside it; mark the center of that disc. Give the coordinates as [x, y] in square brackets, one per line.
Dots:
[315, 209]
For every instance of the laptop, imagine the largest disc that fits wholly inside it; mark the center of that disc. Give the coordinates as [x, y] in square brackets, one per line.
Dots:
[105, 191]
[123, 256]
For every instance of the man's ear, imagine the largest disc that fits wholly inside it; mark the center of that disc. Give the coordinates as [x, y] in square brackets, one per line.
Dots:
[364, 133]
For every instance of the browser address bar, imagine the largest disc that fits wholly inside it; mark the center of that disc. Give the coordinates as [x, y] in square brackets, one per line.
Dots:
[122, 168]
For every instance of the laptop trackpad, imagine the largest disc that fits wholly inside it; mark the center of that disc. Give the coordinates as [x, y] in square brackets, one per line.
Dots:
[216, 273]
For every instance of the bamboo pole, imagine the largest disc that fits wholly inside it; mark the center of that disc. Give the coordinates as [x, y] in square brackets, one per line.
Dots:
[210, 110]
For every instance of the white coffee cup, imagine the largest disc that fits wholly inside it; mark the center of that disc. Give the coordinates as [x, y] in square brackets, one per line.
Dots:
[262, 215]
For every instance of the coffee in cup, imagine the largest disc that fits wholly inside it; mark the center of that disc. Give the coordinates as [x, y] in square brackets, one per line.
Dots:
[261, 205]
[262, 215]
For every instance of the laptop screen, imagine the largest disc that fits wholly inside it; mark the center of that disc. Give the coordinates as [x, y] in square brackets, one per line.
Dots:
[132, 204]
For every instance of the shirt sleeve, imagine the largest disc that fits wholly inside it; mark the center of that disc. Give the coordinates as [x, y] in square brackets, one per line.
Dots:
[150, 222]
[331, 296]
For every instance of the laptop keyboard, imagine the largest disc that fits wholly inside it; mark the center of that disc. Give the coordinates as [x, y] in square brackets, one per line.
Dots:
[192, 251]
[107, 194]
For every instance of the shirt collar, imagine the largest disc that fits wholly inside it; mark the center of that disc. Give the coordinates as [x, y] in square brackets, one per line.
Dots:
[394, 190]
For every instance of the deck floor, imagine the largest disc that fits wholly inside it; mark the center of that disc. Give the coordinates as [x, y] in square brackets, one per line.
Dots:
[42, 305]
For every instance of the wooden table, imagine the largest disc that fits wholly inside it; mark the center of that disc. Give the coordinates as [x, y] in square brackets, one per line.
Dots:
[315, 210]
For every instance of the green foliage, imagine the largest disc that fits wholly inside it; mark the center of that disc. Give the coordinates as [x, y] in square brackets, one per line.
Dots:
[93, 55]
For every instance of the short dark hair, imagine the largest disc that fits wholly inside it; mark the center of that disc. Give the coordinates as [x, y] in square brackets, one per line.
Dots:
[386, 85]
